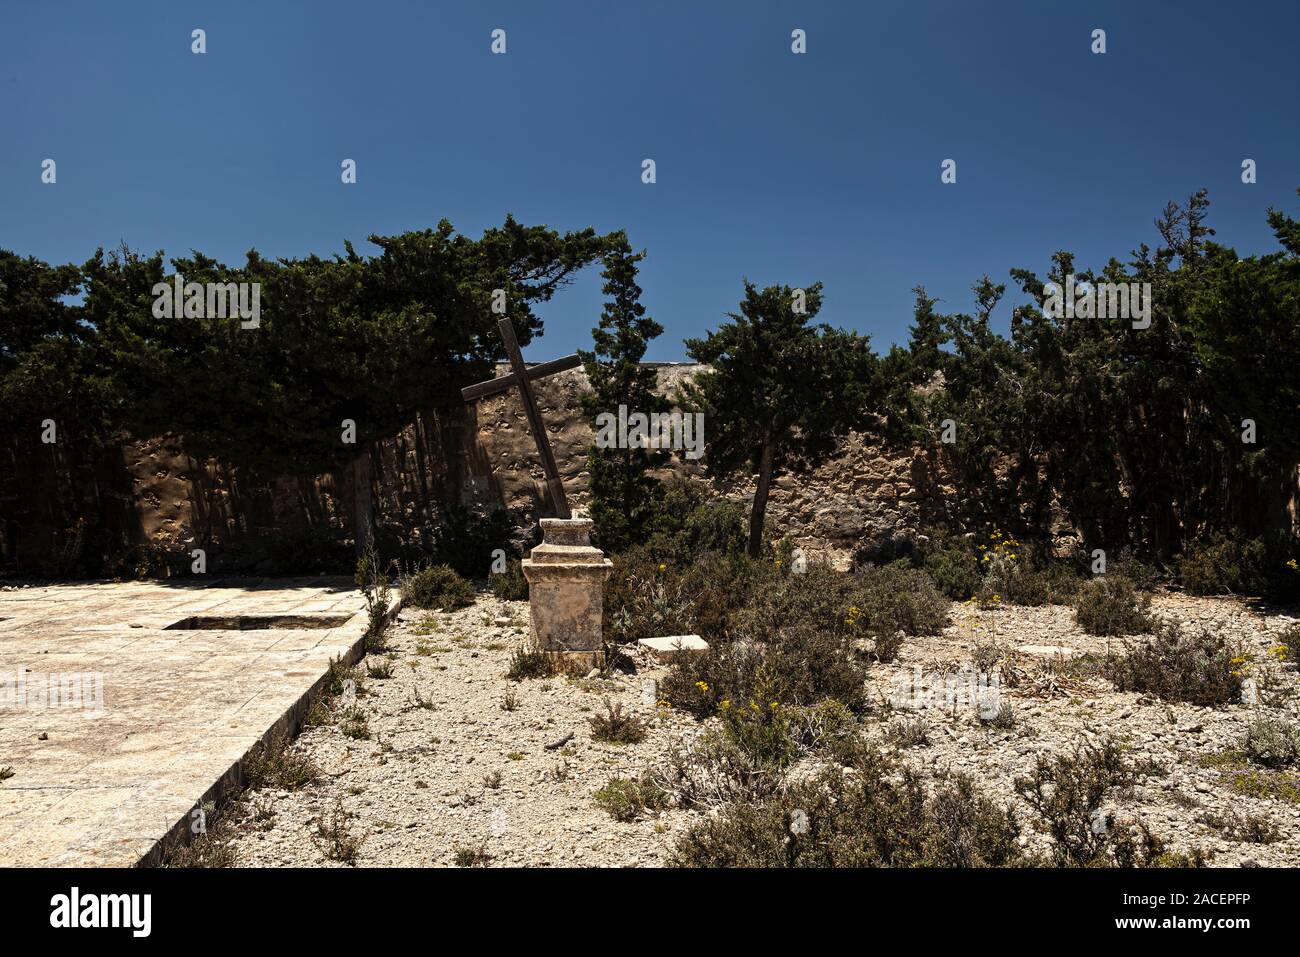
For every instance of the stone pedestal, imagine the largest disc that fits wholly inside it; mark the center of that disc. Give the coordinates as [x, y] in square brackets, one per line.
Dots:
[566, 600]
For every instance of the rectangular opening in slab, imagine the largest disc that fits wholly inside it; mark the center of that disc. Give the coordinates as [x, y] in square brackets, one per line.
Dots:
[255, 622]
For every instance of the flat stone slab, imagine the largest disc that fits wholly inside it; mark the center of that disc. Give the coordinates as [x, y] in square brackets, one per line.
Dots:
[666, 647]
[1049, 651]
[155, 711]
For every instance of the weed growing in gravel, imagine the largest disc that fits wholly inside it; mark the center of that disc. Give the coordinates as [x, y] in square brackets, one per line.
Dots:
[492, 781]
[626, 799]
[617, 727]
[527, 663]
[318, 715]
[381, 668]
[275, 764]
[212, 847]
[470, 856]
[417, 700]
[1201, 668]
[908, 733]
[1244, 829]
[510, 701]
[1004, 719]
[334, 837]
[354, 723]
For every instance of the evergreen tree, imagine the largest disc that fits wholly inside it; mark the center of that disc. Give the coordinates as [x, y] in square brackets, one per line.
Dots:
[780, 393]
[624, 495]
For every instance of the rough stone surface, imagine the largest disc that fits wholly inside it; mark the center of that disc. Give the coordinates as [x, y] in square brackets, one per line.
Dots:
[180, 707]
[566, 579]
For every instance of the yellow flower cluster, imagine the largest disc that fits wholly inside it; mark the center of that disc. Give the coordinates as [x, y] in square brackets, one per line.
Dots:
[854, 613]
[1240, 666]
[1003, 546]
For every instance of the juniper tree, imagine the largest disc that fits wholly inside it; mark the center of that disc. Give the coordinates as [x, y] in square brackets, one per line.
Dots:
[624, 495]
[781, 393]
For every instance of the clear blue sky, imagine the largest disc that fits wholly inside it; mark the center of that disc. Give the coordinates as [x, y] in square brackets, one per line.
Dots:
[771, 165]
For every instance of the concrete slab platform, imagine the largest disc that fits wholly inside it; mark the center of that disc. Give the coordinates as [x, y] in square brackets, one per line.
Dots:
[146, 722]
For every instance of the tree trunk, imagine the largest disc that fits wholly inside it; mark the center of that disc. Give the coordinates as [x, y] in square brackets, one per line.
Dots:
[760, 499]
[363, 509]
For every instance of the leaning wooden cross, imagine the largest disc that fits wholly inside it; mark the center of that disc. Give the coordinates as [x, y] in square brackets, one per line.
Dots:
[523, 376]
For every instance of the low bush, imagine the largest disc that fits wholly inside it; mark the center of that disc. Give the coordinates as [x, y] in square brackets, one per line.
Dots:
[1219, 565]
[465, 539]
[1199, 668]
[805, 665]
[528, 663]
[616, 726]
[1067, 792]
[877, 814]
[437, 586]
[510, 585]
[1272, 742]
[626, 799]
[1110, 605]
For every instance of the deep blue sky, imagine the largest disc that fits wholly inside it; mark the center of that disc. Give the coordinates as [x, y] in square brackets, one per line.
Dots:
[779, 167]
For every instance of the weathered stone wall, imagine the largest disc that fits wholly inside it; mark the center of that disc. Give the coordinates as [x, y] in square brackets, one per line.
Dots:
[165, 503]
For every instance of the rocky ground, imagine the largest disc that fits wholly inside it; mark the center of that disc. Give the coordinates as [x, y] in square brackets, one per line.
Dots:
[457, 760]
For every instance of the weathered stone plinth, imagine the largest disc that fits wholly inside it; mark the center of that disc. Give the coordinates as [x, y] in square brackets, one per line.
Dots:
[566, 579]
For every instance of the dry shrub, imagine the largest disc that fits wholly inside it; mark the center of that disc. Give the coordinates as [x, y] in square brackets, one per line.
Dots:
[1200, 668]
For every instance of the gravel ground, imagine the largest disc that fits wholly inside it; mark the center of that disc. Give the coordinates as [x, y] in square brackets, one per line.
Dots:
[421, 787]
[424, 785]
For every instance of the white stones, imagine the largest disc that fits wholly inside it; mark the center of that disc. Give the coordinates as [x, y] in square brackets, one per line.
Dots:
[666, 647]
[1049, 651]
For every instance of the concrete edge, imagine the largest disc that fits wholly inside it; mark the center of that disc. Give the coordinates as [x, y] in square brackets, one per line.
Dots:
[289, 724]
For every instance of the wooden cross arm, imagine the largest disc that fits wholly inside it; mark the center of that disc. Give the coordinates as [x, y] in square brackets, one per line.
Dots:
[501, 383]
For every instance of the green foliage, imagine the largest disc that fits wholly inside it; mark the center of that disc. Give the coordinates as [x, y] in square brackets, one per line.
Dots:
[510, 585]
[437, 586]
[1067, 792]
[1110, 605]
[1272, 742]
[527, 663]
[952, 564]
[466, 540]
[1229, 565]
[623, 494]
[1200, 668]
[780, 393]
[876, 814]
[269, 402]
[616, 726]
[626, 799]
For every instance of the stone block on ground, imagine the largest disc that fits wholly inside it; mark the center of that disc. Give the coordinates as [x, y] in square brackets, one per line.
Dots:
[666, 647]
